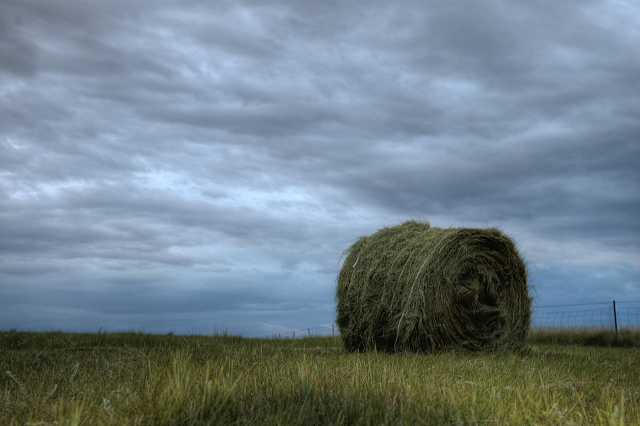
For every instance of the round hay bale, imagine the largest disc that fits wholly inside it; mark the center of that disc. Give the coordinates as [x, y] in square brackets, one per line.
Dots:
[412, 287]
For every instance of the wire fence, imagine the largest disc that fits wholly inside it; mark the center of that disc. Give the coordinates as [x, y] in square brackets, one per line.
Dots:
[611, 315]
[324, 330]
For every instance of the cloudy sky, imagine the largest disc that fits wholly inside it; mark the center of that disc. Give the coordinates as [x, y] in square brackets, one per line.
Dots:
[190, 167]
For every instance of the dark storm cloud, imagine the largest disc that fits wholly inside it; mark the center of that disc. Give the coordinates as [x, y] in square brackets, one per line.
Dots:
[224, 154]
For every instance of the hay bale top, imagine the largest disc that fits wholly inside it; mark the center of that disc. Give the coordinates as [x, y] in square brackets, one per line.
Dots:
[415, 287]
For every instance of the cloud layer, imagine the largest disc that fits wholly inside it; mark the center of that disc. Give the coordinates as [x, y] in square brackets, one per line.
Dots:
[186, 166]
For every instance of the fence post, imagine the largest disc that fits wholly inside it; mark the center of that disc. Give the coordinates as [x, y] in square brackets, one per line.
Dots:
[333, 330]
[615, 318]
[294, 334]
[309, 331]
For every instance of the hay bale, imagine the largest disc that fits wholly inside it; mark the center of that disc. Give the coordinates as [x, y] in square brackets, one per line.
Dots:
[417, 288]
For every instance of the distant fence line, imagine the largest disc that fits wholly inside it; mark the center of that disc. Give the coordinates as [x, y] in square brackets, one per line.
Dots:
[603, 315]
[600, 315]
[325, 330]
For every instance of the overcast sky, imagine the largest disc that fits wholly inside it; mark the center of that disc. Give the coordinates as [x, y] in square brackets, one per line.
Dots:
[190, 167]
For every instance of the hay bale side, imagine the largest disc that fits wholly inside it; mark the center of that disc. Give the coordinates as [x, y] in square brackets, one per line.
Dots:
[417, 288]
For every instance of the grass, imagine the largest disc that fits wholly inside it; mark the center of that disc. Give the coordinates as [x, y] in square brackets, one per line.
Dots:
[143, 379]
[625, 338]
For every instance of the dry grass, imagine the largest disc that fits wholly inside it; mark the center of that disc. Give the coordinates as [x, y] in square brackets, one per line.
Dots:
[417, 288]
[141, 379]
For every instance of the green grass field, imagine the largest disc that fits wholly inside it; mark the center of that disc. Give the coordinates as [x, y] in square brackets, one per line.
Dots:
[569, 377]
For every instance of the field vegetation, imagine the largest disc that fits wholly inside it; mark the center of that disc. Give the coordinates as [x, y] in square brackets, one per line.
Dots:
[569, 377]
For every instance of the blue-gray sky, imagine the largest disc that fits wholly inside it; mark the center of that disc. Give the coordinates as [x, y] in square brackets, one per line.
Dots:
[198, 166]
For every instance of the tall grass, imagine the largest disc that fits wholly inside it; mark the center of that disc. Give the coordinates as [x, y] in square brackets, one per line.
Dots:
[143, 379]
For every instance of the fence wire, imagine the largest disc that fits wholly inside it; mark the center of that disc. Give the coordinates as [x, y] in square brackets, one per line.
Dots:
[598, 315]
[324, 330]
